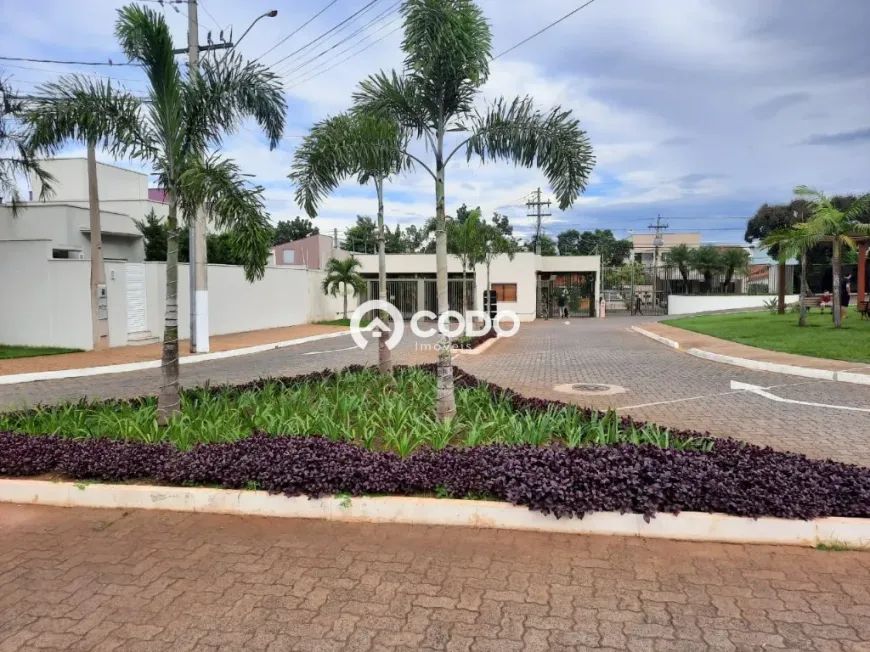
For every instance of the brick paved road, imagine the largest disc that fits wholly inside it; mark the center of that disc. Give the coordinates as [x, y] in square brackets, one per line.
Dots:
[545, 354]
[97, 580]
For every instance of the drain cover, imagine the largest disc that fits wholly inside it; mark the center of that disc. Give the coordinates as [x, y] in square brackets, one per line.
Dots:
[590, 388]
[585, 387]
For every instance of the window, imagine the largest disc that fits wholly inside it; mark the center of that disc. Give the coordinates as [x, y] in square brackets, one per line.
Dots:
[60, 253]
[288, 256]
[505, 292]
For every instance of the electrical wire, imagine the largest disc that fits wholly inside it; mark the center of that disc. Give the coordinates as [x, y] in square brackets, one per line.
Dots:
[326, 33]
[295, 31]
[307, 79]
[64, 72]
[208, 13]
[69, 63]
[345, 40]
[539, 32]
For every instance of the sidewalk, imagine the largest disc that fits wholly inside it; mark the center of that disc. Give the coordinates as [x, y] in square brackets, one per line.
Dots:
[150, 352]
[689, 341]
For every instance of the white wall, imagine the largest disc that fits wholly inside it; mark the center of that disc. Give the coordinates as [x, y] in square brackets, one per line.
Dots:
[48, 303]
[684, 305]
[325, 307]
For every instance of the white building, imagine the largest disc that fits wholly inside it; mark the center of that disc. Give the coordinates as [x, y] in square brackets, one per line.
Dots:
[525, 284]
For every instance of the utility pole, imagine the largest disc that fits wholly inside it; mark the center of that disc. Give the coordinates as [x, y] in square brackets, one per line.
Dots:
[658, 241]
[538, 215]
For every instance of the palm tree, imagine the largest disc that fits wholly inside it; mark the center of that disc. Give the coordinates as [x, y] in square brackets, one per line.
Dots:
[343, 274]
[181, 117]
[828, 223]
[707, 260]
[789, 243]
[347, 145]
[734, 260]
[448, 49]
[680, 257]
[18, 157]
[465, 241]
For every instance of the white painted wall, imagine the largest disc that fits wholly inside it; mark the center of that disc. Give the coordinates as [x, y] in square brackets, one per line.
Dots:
[47, 302]
[324, 307]
[685, 305]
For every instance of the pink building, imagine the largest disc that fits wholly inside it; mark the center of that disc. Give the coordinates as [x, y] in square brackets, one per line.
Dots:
[311, 252]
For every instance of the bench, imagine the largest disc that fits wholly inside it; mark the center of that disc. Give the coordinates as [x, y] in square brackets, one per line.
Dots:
[864, 308]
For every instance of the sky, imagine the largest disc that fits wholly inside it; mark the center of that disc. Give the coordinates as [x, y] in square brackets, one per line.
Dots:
[697, 110]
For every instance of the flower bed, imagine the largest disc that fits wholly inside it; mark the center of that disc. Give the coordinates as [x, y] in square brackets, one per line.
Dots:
[731, 477]
[470, 343]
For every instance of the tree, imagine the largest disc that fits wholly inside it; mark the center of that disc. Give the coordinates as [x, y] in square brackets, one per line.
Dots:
[790, 243]
[466, 241]
[343, 274]
[827, 223]
[18, 156]
[680, 257]
[448, 50]
[569, 242]
[292, 230]
[367, 147]
[411, 240]
[363, 236]
[496, 243]
[503, 224]
[707, 260]
[183, 117]
[734, 260]
[548, 245]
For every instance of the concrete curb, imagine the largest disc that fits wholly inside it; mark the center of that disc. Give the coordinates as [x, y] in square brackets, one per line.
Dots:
[688, 526]
[759, 365]
[14, 379]
[480, 349]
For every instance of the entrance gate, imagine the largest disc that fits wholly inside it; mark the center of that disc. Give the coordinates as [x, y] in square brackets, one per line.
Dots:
[410, 295]
[577, 289]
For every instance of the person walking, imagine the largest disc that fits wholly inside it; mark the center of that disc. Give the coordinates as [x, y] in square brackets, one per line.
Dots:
[845, 294]
[563, 311]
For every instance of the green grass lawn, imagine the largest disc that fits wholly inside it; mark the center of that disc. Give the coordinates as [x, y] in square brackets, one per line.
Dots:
[8, 352]
[818, 339]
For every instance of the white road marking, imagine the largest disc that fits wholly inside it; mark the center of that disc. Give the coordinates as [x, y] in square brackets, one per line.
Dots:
[761, 391]
[350, 348]
[676, 400]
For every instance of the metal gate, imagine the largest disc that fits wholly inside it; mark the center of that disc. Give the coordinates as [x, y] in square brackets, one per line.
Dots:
[137, 318]
[575, 290]
[402, 293]
[411, 295]
[635, 289]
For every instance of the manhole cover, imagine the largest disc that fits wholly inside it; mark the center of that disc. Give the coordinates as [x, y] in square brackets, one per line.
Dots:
[600, 389]
[585, 387]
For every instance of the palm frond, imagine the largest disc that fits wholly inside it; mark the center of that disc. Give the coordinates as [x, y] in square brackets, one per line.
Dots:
[89, 110]
[343, 272]
[519, 133]
[346, 145]
[234, 205]
[233, 89]
[859, 210]
[394, 98]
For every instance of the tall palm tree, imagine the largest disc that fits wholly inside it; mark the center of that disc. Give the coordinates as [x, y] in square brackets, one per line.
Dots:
[343, 275]
[367, 147]
[448, 50]
[18, 157]
[680, 257]
[181, 117]
[827, 223]
[789, 243]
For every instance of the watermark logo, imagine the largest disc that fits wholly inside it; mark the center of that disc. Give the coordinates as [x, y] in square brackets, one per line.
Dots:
[377, 326]
[451, 324]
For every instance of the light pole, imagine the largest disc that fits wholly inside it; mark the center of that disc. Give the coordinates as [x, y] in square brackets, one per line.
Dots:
[269, 14]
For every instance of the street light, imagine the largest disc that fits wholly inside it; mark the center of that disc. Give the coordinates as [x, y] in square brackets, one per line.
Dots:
[268, 14]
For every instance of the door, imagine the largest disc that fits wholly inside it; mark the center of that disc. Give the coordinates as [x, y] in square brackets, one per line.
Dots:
[136, 316]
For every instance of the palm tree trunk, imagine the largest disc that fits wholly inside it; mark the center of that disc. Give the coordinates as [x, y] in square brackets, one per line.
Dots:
[838, 318]
[345, 300]
[99, 327]
[446, 402]
[780, 289]
[802, 320]
[168, 403]
[385, 358]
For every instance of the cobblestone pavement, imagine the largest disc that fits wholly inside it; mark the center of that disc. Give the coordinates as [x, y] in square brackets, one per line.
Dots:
[663, 385]
[100, 580]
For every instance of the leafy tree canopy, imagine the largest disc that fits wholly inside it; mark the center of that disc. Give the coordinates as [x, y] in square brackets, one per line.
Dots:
[295, 229]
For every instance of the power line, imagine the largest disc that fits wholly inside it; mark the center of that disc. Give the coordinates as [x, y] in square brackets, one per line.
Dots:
[64, 72]
[326, 33]
[208, 13]
[539, 32]
[373, 43]
[287, 73]
[70, 63]
[295, 31]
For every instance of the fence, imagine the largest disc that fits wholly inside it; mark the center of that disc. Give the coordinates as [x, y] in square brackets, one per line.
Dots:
[411, 295]
[644, 289]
